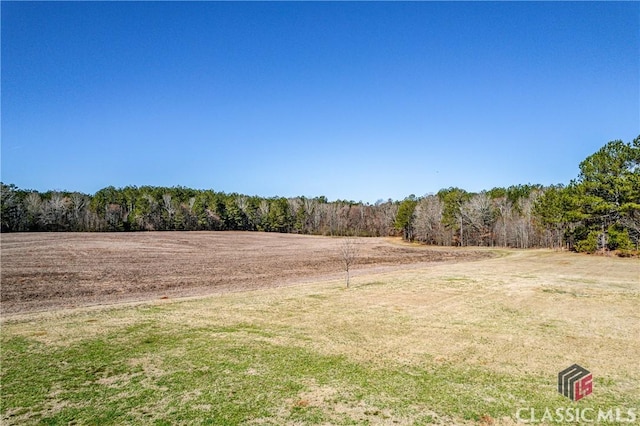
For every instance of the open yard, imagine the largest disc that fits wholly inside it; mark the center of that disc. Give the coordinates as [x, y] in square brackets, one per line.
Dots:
[422, 336]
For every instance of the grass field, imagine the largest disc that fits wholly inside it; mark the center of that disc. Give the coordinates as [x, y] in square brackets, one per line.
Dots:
[469, 342]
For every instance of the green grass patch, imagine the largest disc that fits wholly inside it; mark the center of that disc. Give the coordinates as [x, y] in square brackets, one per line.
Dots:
[230, 375]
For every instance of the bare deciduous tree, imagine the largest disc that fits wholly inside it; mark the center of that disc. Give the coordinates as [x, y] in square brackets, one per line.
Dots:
[427, 218]
[243, 203]
[524, 225]
[389, 212]
[263, 213]
[504, 210]
[478, 217]
[33, 205]
[348, 255]
[54, 211]
[169, 207]
[312, 214]
[79, 203]
[294, 204]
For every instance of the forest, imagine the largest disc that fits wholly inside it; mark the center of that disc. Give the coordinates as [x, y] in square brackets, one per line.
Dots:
[597, 211]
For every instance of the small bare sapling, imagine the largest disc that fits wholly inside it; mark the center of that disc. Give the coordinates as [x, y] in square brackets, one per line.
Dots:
[348, 255]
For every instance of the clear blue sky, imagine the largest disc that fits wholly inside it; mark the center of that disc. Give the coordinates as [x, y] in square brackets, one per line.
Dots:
[349, 100]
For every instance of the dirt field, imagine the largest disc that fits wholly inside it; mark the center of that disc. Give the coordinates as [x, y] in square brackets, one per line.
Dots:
[43, 271]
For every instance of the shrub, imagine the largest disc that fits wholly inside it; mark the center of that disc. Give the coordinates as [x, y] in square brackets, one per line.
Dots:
[589, 244]
[618, 239]
[628, 253]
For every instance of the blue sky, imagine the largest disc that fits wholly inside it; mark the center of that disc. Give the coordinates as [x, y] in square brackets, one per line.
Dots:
[353, 100]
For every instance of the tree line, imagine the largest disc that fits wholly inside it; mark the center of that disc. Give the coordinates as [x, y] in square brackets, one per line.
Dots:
[151, 208]
[599, 210]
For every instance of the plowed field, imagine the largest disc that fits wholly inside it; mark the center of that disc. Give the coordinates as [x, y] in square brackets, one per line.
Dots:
[44, 271]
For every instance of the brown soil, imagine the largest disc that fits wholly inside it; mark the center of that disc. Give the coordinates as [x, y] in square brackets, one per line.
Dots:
[47, 271]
